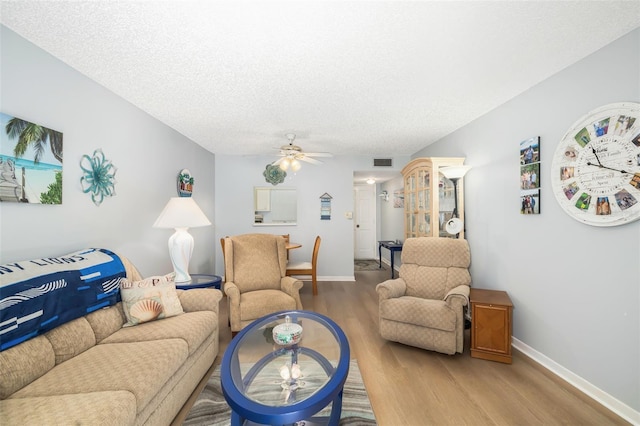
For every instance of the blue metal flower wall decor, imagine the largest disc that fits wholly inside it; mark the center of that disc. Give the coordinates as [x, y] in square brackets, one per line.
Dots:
[274, 174]
[99, 176]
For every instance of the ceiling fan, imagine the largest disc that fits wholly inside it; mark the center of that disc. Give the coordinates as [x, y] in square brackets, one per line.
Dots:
[292, 155]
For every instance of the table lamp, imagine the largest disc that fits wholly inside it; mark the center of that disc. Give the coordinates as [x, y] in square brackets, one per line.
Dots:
[181, 213]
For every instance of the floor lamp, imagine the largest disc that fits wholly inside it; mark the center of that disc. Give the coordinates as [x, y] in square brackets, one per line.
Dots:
[454, 174]
[181, 213]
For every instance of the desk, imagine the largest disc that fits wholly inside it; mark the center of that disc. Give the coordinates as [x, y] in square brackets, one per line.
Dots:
[393, 247]
[200, 281]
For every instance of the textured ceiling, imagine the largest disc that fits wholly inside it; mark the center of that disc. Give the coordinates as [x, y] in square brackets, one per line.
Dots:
[350, 78]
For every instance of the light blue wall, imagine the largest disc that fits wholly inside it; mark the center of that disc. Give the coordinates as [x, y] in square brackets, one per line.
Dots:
[149, 155]
[237, 175]
[575, 288]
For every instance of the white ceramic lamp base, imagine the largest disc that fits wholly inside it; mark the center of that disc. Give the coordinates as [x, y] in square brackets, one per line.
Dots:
[180, 250]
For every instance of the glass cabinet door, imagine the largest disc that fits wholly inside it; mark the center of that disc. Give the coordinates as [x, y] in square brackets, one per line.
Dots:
[430, 197]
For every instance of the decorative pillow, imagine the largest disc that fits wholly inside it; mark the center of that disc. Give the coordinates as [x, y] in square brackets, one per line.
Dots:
[150, 299]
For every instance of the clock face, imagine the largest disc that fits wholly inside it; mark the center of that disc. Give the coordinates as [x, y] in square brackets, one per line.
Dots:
[595, 172]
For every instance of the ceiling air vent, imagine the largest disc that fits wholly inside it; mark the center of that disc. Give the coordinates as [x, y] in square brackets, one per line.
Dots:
[382, 162]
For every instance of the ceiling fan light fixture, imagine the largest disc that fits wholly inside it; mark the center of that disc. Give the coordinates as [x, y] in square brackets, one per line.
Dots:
[295, 165]
[284, 164]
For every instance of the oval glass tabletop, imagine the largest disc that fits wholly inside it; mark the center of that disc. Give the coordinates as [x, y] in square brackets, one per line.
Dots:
[261, 376]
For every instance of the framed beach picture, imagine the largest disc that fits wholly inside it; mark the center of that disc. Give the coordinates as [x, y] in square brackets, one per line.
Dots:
[30, 162]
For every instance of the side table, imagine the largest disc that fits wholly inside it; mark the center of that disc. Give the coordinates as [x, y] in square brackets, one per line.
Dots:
[491, 325]
[393, 247]
[200, 281]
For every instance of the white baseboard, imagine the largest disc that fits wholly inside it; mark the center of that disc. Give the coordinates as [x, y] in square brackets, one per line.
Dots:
[618, 407]
[326, 278]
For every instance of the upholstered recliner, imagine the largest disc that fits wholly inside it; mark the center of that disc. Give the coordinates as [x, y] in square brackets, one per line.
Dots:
[424, 307]
[255, 278]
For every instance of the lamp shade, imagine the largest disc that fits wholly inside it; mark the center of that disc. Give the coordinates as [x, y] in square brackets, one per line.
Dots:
[181, 212]
[454, 172]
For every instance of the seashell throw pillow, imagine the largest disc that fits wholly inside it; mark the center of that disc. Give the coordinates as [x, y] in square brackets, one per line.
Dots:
[149, 299]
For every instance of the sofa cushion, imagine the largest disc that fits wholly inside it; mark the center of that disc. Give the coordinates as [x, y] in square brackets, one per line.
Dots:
[193, 328]
[423, 312]
[256, 304]
[140, 368]
[71, 339]
[106, 321]
[149, 299]
[22, 364]
[96, 408]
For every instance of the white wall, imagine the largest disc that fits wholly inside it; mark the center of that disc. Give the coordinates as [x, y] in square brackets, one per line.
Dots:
[149, 155]
[391, 219]
[575, 288]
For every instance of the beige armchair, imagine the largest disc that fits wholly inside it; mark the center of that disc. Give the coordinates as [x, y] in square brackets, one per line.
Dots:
[424, 307]
[255, 268]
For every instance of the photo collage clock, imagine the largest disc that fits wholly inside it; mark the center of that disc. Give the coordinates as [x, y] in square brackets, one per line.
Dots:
[595, 171]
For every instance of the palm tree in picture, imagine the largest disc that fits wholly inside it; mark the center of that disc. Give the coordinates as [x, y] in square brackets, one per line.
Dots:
[31, 134]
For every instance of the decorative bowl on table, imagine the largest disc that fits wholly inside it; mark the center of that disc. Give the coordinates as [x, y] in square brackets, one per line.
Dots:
[288, 333]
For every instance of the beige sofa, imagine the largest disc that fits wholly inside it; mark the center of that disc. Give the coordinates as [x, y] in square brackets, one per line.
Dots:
[91, 371]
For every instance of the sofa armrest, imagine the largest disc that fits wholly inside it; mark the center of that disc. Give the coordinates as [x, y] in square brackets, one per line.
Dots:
[391, 289]
[458, 293]
[200, 299]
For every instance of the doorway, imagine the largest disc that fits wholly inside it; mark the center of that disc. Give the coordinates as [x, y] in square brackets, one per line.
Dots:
[364, 222]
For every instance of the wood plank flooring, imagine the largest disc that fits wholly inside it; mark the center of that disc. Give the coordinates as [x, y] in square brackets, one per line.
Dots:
[410, 386]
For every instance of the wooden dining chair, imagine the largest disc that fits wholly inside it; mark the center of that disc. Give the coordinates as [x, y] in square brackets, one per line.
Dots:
[286, 239]
[307, 268]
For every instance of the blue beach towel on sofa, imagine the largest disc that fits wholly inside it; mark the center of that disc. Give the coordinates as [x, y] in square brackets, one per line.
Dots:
[40, 294]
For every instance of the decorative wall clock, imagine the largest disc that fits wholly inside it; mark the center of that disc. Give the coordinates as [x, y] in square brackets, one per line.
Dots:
[595, 172]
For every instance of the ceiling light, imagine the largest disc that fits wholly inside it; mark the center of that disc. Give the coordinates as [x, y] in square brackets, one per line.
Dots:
[284, 164]
[371, 181]
[295, 165]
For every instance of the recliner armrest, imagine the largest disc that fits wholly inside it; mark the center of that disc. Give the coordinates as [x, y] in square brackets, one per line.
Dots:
[391, 289]
[291, 286]
[462, 291]
[232, 291]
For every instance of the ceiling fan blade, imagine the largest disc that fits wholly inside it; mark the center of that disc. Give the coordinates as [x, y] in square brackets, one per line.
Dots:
[318, 154]
[309, 159]
[278, 161]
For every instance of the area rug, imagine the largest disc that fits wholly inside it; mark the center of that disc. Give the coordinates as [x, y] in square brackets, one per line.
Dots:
[211, 408]
[368, 265]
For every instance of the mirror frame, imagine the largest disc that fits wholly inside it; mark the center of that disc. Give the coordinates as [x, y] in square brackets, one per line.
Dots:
[256, 212]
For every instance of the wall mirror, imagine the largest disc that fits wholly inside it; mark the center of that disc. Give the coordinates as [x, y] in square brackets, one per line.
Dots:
[274, 206]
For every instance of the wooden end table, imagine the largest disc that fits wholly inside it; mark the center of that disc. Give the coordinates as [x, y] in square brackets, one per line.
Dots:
[491, 325]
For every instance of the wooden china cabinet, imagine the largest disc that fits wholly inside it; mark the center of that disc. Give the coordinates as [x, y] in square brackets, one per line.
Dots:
[429, 197]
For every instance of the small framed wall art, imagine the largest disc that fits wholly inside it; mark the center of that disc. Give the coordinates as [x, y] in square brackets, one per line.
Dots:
[530, 176]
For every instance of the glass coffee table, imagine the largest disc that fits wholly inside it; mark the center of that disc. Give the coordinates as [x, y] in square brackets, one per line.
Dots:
[268, 383]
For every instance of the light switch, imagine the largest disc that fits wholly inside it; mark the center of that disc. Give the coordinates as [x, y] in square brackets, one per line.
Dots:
[348, 215]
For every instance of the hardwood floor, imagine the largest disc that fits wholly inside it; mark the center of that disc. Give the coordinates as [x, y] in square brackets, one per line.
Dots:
[410, 386]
